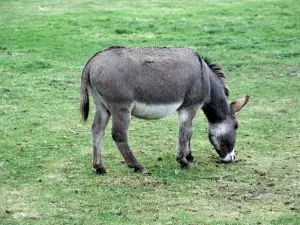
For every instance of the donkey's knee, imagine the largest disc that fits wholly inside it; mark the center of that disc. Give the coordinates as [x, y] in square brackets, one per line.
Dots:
[119, 136]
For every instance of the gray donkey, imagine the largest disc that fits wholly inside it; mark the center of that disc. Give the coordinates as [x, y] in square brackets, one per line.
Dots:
[151, 83]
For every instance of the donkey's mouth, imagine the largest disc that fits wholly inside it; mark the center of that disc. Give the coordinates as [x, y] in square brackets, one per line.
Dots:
[230, 157]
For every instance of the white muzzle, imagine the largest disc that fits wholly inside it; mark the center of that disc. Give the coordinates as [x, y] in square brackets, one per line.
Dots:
[230, 157]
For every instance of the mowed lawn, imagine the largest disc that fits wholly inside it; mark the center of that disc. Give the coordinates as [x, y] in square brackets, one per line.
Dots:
[46, 176]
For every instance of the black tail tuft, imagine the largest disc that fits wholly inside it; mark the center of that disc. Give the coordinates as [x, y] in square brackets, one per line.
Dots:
[84, 95]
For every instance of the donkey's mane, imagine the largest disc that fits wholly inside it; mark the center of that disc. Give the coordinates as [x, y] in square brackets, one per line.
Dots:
[220, 74]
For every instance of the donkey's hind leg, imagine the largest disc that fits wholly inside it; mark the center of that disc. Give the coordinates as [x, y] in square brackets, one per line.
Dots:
[120, 125]
[98, 130]
[101, 119]
[185, 116]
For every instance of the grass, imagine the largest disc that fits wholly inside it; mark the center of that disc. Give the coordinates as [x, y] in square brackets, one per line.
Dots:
[45, 156]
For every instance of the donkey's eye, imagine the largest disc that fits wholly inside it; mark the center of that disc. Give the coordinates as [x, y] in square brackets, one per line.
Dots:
[236, 125]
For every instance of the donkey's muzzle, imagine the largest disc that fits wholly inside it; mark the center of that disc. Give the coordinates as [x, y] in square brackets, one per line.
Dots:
[230, 157]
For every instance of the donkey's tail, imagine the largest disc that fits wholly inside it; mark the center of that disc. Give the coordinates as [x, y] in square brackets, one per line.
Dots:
[84, 95]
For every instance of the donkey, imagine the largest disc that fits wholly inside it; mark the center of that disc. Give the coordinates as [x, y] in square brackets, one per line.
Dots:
[151, 83]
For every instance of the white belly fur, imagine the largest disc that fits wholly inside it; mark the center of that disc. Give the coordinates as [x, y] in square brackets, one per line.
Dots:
[153, 111]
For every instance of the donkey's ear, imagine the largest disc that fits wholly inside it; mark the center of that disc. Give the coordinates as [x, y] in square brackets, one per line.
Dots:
[239, 104]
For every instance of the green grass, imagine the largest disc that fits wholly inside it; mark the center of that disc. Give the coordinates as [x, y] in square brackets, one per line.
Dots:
[45, 157]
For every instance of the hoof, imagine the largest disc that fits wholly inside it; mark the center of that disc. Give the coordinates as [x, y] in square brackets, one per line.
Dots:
[185, 166]
[101, 170]
[140, 169]
[184, 162]
[190, 157]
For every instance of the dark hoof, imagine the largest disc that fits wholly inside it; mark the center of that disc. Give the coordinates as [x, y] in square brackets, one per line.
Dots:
[185, 166]
[101, 170]
[183, 162]
[190, 157]
[140, 169]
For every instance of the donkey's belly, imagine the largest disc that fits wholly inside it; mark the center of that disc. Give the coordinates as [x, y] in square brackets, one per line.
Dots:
[153, 111]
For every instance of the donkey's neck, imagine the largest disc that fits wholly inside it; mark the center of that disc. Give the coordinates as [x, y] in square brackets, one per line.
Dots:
[216, 107]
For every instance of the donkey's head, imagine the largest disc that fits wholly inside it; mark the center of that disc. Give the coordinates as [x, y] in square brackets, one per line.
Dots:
[222, 134]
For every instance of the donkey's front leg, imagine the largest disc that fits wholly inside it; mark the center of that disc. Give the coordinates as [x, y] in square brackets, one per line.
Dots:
[184, 155]
[120, 125]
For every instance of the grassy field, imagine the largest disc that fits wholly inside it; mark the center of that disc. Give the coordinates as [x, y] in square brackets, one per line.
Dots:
[46, 175]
